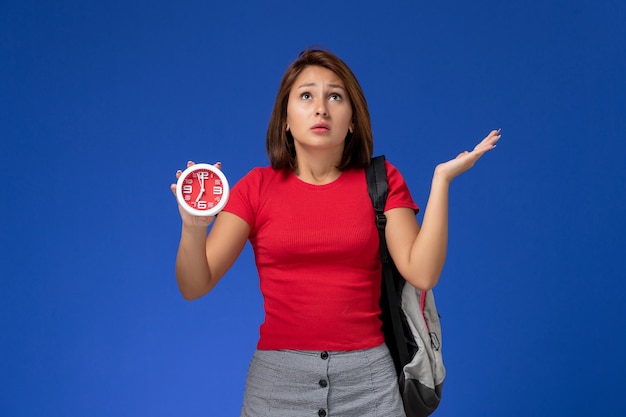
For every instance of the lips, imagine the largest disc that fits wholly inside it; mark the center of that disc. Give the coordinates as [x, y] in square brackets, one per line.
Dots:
[320, 127]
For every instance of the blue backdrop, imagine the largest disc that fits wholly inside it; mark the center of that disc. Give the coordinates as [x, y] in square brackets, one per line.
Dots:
[101, 102]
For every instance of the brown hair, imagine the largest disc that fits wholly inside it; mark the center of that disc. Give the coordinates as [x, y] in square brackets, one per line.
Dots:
[280, 145]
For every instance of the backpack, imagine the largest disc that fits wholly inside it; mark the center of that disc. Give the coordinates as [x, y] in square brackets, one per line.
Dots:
[410, 318]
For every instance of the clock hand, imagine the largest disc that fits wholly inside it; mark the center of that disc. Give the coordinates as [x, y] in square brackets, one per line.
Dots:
[201, 178]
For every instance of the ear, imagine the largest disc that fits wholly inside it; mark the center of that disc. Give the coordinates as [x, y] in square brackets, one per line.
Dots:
[286, 127]
[351, 128]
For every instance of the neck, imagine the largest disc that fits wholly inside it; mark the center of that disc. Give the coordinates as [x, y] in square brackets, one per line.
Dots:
[317, 170]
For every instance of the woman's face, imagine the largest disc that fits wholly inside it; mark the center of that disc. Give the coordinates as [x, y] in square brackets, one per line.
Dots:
[319, 112]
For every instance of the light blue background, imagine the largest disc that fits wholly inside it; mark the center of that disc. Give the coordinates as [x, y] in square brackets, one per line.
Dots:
[101, 102]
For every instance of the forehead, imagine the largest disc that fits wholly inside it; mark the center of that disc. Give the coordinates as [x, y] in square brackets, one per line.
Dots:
[317, 75]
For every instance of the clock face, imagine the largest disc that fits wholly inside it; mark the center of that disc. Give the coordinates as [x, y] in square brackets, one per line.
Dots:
[202, 190]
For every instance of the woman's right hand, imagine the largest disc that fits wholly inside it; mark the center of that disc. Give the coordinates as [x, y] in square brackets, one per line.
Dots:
[188, 219]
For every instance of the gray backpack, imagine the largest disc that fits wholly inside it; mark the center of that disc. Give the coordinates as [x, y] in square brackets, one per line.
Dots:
[410, 318]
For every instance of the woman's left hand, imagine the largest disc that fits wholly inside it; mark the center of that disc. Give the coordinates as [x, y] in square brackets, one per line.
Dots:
[465, 160]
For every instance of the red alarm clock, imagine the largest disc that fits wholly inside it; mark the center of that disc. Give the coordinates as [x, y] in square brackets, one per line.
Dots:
[202, 190]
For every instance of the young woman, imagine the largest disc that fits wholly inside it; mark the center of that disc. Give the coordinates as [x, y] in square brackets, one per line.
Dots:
[309, 219]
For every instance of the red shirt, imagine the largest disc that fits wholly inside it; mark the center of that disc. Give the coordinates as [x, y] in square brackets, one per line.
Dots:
[316, 251]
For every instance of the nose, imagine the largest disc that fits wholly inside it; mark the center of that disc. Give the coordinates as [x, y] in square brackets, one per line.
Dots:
[320, 108]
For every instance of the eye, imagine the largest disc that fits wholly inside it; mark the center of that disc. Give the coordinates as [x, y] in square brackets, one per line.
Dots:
[335, 97]
[305, 96]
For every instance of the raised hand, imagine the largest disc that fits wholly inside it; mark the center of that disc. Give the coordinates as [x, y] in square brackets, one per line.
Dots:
[465, 160]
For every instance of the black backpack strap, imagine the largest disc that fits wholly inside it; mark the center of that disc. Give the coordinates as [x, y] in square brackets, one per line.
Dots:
[377, 185]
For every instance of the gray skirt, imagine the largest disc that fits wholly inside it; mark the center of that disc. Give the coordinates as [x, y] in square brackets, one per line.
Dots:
[288, 383]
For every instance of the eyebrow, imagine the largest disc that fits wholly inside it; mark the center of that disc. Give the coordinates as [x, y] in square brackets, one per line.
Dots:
[330, 85]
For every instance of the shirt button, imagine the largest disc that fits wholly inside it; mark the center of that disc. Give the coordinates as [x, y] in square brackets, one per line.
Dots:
[321, 412]
[324, 355]
[323, 383]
